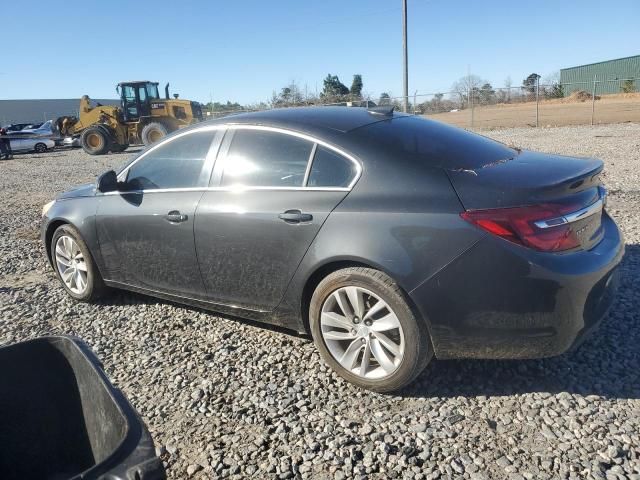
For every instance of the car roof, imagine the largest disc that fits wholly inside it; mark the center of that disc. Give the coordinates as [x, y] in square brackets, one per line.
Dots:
[330, 118]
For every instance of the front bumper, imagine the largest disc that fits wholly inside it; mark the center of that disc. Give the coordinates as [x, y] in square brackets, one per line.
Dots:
[500, 300]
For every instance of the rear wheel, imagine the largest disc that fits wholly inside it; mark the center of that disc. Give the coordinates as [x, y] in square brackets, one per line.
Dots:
[95, 141]
[74, 265]
[152, 132]
[40, 147]
[366, 331]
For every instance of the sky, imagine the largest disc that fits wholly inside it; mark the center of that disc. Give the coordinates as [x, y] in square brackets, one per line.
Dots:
[243, 50]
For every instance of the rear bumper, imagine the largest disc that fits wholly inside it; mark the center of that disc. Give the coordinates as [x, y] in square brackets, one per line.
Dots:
[500, 300]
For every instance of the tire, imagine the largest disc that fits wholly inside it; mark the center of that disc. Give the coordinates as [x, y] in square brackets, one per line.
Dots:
[40, 147]
[95, 141]
[117, 148]
[94, 286]
[411, 334]
[152, 132]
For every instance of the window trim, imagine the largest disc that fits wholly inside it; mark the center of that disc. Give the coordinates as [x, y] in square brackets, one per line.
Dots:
[215, 160]
[307, 172]
[310, 168]
[315, 141]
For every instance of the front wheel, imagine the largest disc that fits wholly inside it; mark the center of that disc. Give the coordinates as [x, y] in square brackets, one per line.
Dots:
[95, 141]
[74, 265]
[366, 330]
[40, 147]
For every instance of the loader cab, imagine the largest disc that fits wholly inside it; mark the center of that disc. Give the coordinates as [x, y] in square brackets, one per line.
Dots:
[135, 98]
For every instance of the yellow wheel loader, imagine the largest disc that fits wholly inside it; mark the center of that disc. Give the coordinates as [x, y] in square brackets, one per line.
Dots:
[142, 117]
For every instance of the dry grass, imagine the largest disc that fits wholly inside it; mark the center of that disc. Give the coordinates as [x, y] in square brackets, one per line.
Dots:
[575, 110]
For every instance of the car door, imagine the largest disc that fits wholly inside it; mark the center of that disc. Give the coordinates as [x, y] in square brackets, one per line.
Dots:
[18, 142]
[145, 230]
[255, 224]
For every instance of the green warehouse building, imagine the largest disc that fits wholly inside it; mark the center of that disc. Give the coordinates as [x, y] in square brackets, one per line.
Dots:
[610, 75]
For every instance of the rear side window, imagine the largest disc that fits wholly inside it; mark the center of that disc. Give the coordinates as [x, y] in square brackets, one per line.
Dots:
[330, 169]
[259, 158]
[175, 164]
[436, 143]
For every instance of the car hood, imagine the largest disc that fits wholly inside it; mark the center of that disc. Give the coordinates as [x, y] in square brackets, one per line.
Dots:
[86, 190]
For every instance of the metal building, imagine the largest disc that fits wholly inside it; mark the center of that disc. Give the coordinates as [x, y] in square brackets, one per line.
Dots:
[31, 111]
[609, 76]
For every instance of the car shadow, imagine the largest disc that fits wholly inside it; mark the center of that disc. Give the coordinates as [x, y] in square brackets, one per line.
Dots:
[128, 151]
[606, 364]
[48, 154]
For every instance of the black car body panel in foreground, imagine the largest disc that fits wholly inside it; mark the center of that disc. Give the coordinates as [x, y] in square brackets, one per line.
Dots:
[410, 197]
[62, 418]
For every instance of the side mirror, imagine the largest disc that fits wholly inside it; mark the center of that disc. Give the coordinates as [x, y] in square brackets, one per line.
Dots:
[108, 182]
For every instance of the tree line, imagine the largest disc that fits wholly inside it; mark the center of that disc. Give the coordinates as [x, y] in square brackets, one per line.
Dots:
[470, 90]
[292, 94]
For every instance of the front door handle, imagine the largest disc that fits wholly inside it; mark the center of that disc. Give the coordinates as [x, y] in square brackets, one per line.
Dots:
[295, 216]
[174, 216]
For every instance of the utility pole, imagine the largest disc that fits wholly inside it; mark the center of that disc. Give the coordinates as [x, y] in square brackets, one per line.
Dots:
[405, 71]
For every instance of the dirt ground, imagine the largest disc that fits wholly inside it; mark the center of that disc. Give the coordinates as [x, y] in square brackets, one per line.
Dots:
[608, 109]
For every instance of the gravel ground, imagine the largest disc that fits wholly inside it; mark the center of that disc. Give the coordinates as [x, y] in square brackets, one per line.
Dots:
[228, 398]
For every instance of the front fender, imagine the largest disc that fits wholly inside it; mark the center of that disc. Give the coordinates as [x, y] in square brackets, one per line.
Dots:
[81, 214]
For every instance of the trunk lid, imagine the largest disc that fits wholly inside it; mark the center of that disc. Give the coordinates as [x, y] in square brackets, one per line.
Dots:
[571, 185]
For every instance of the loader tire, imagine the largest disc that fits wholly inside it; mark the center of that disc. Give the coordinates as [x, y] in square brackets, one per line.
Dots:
[95, 141]
[152, 132]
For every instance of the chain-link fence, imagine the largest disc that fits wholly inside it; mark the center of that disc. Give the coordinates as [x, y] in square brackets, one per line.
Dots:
[482, 106]
[536, 105]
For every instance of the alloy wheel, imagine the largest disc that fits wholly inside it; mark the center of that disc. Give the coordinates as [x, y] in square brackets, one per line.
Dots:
[71, 264]
[362, 332]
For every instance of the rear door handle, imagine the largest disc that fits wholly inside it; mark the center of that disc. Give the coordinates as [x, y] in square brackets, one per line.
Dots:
[295, 216]
[174, 216]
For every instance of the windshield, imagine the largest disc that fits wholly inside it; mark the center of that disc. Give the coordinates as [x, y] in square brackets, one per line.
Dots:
[436, 143]
[152, 90]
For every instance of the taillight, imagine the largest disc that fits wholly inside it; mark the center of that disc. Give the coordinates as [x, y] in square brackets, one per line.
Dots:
[518, 225]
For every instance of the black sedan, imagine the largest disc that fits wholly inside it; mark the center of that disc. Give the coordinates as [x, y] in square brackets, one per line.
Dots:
[389, 238]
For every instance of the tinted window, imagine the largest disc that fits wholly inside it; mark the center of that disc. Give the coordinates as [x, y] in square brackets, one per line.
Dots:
[329, 169]
[434, 142]
[266, 159]
[176, 164]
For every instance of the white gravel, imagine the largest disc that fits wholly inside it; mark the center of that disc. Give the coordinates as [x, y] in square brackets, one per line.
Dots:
[227, 398]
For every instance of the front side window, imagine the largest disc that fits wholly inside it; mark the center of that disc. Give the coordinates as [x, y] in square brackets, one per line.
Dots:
[152, 90]
[330, 169]
[259, 158]
[129, 93]
[175, 164]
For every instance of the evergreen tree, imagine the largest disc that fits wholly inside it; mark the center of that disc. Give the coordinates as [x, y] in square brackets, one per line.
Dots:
[356, 86]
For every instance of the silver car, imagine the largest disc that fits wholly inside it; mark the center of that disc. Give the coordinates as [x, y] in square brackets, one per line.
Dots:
[27, 142]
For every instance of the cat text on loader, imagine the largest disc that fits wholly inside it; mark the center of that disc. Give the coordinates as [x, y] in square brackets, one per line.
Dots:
[142, 117]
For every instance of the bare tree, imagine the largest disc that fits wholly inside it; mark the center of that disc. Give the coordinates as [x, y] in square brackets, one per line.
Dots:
[551, 86]
[507, 86]
[465, 86]
[288, 96]
[552, 78]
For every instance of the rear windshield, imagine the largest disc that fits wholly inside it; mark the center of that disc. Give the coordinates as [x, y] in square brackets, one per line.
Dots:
[437, 143]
